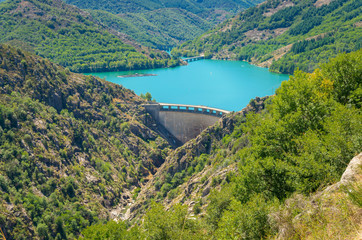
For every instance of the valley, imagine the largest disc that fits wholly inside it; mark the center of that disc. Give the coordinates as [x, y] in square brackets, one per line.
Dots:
[84, 156]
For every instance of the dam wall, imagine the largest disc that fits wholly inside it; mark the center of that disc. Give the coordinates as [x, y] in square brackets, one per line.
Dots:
[184, 122]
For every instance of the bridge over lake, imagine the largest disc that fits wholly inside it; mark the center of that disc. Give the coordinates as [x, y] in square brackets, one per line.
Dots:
[191, 59]
[183, 122]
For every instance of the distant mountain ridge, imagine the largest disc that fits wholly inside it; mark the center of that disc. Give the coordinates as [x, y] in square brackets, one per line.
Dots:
[153, 29]
[284, 35]
[163, 24]
[72, 38]
[141, 6]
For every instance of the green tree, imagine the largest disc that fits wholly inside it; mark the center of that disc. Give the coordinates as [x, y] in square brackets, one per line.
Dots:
[172, 224]
[42, 230]
[112, 230]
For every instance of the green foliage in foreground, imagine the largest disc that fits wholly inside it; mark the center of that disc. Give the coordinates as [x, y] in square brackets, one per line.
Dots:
[301, 143]
[72, 39]
[158, 224]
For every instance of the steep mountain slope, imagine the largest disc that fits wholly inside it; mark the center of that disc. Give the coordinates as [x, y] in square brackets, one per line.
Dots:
[203, 8]
[73, 148]
[284, 35]
[72, 38]
[172, 22]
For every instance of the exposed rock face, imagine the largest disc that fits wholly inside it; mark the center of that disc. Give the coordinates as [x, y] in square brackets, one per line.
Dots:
[353, 172]
[330, 203]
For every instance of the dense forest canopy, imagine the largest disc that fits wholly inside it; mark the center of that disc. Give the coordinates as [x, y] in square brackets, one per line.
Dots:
[141, 6]
[163, 24]
[161, 29]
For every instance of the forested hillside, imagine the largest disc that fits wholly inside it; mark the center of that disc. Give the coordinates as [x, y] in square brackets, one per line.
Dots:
[205, 9]
[162, 28]
[284, 35]
[257, 176]
[163, 24]
[73, 148]
[72, 38]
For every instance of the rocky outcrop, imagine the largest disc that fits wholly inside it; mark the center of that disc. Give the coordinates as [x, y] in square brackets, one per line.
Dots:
[334, 204]
[353, 172]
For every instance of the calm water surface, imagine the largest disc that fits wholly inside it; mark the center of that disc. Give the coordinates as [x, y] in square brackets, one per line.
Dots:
[227, 85]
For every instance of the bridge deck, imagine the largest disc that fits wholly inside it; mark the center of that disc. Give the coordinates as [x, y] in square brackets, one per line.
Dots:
[190, 59]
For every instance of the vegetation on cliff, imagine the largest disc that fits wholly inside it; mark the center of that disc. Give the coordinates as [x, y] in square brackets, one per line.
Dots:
[72, 38]
[284, 35]
[73, 148]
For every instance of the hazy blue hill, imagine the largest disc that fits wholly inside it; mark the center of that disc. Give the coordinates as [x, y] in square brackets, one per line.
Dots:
[284, 35]
[72, 38]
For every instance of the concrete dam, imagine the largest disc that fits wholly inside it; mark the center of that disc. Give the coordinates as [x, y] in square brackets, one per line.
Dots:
[183, 122]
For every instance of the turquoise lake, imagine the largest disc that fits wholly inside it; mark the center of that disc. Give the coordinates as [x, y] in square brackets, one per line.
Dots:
[221, 84]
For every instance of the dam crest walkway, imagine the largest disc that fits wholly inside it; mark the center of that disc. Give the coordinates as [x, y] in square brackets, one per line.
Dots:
[190, 108]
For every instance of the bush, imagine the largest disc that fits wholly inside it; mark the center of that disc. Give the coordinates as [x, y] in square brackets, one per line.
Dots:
[4, 185]
[42, 230]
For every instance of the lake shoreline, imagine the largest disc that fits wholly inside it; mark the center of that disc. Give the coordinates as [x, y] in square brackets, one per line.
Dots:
[223, 84]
